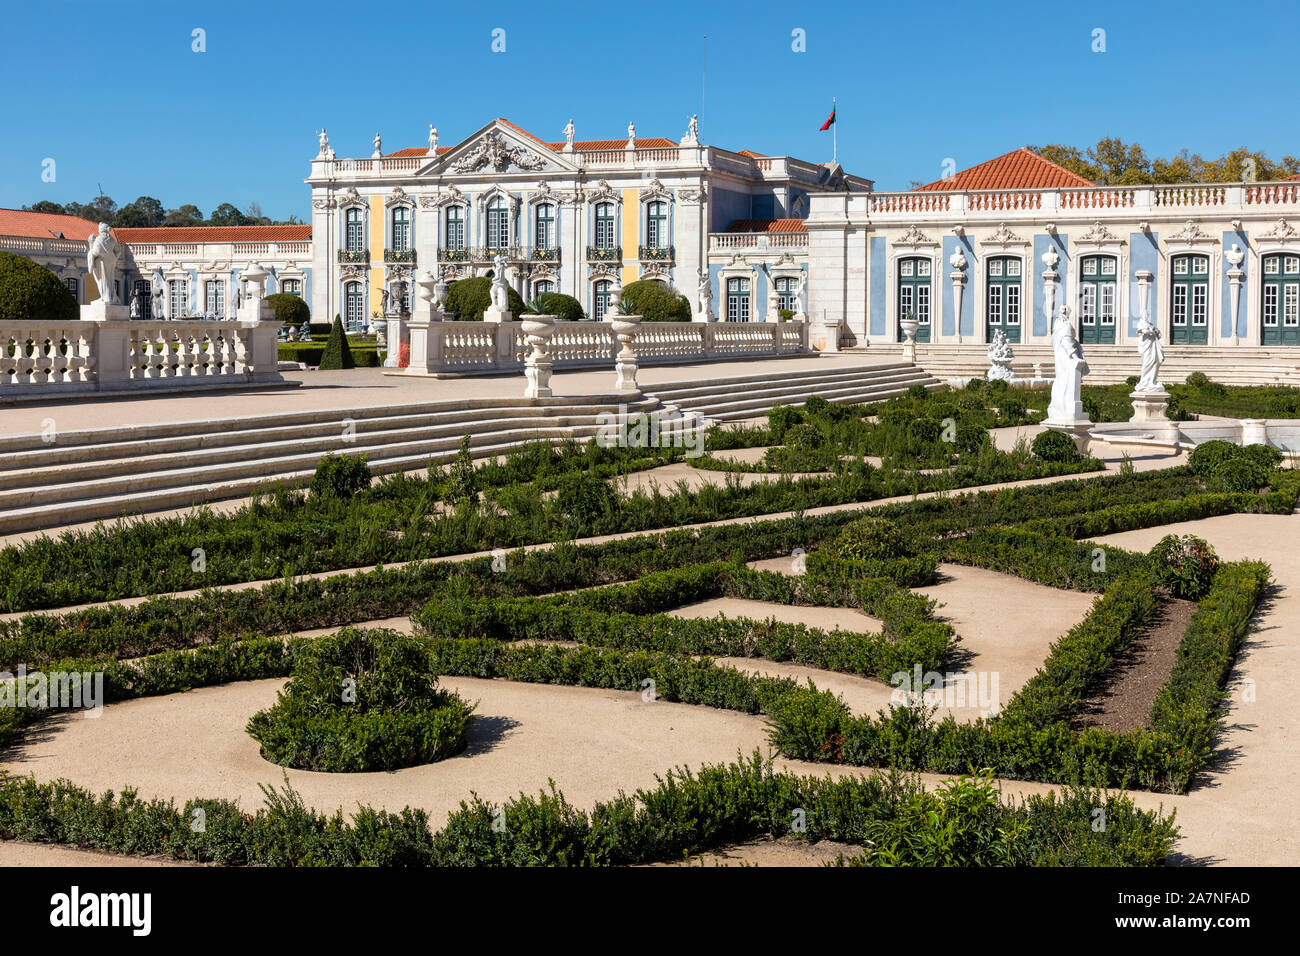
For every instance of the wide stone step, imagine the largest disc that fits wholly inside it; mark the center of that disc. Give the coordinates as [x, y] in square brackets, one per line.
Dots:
[696, 393]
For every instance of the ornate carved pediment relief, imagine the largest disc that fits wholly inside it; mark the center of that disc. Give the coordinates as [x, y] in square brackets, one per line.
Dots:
[494, 152]
[656, 190]
[914, 237]
[1099, 234]
[1004, 237]
[398, 197]
[451, 196]
[1283, 230]
[603, 191]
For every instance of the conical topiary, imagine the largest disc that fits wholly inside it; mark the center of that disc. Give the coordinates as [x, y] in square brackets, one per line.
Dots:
[337, 354]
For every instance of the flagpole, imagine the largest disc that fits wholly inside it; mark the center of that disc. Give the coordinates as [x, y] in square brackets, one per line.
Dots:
[835, 143]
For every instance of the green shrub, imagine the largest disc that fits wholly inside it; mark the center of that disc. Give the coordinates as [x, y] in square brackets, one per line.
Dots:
[361, 701]
[870, 539]
[1241, 475]
[804, 437]
[1185, 565]
[564, 307]
[461, 485]
[289, 309]
[779, 419]
[585, 502]
[340, 476]
[337, 354]
[655, 303]
[1197, 379]
[1266, 456]
[1206, 457]
[30, 291]
[468, 299]
[1012, 407]
[1055, 446]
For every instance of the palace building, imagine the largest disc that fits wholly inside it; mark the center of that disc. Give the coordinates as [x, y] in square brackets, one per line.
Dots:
[1006, 244]
[574, 216]
[54, 240]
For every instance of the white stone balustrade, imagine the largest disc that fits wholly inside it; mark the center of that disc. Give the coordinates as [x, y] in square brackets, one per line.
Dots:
[458, 348]
[45, 358]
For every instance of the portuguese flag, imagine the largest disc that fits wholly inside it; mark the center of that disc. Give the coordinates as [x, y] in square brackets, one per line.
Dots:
[830, 121]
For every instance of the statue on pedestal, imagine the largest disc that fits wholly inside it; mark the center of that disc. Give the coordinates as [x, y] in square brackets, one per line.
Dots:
[1001, 356]
[500, 293]
[433, 140]
[568, 135]
[705, 292]
[102, 253]
[1071, 367]
[1153, 354]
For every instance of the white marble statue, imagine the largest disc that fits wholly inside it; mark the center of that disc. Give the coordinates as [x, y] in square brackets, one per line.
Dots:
[568, 132]
[433, 139]
[631, 134]
[102, 253]
[801, 293]
[379, 148]
[324, 142]
[1071, 367]
[1153, 354]
[135, 306]
[1001, 356]
[692, 136]
[705, 290]
[500, 297]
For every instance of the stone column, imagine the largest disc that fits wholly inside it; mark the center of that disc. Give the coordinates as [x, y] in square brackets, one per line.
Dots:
[958, 277]
[1235, 275]
[1050, 276]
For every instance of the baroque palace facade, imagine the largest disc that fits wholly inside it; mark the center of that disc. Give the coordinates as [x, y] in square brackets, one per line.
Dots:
[1006, 244]
[576, 217]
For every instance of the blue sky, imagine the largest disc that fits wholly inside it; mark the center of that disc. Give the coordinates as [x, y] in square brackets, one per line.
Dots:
[113, 92]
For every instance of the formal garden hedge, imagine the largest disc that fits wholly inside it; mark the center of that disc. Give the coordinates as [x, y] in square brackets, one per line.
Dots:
[891, 821]
[468, 299]
[361, 701]
[289, 309]
[654, 302]
[564, 307]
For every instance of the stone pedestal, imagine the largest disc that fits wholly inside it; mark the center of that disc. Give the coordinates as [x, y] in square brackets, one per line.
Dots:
[625, 329]
[426, 346]
[494, 315]
[824, 336]
[101, 311]
[538, 330]
[1076, 428]
[398, 334]
[1150, 407]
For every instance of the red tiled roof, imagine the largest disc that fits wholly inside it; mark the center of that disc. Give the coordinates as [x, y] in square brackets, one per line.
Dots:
[216, 234]
[767, 225]
[1019, 169]
[751, 154]
[416, 151]
[581, 146]
[44, 225]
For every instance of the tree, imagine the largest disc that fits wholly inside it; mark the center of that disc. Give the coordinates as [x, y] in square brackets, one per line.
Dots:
[337, 354]
[30, 291]
[469, 298]
[46, 206]
[146, 212]
[227, 215]
[655, 302]
[289, 309]
[186, 215]
[1113, 163]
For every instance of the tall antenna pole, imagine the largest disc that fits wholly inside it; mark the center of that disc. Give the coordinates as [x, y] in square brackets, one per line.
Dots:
[835, 141]
[704, 76]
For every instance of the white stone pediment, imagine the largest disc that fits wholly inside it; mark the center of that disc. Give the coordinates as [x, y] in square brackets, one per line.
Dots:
[496, 148]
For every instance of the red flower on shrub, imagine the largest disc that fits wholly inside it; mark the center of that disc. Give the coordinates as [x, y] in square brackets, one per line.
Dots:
[404, 355]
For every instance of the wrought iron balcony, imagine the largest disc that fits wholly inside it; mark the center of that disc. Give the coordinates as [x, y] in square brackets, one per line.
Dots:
[354, 255]
[605, 253]
[453, 255]
[489, 253]
[655, 253]
[544, 254]
[406, 256]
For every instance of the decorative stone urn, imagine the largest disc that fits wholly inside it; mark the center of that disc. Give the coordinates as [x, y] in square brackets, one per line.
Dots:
[538, 330]
[428, 286]
[909, 324]
[625, 329]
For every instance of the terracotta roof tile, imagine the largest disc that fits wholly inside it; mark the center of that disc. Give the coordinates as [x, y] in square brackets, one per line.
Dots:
[1019, 169]
[44, 225]
[751, 154]
[416, 151]
[216, 234]
[767, 225]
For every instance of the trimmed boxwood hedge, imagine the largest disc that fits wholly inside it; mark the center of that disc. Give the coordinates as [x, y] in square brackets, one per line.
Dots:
[655, 303]
[361, 701]
[564, 307]
[337, 354]
[467, 299]
[31, 291]
[289, 309]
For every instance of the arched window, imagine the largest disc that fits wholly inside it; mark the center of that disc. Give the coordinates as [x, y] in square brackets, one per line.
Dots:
[600, 300]
[498, 224]
[401, 229]
[1002, 297]
[738, 300]
[1189, 300]
[178, 290]
[291, 287]
[1281, 306]
[74, 286]
[214, 295]
[354, 307]
[143, 291]
[354, 235]
[787, 293]
[542, 287]
[656, 224]
[1097, 299]
[914, 294]
[605, 225]
[455, 238]
[544, 234]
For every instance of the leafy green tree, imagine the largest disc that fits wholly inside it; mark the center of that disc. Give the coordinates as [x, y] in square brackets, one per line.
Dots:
[30, 291]
[46, 206]
[469, 298]
[227, 215]
[654, 302]
[186, 215]
[145, 212]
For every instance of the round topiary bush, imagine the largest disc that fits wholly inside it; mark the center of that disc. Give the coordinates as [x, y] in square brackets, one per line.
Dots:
[1012, 407]
[467, 299]
[654, 302]
[564, 307]
[361, 701]
[289, 309]
[971, 436]
[804, 437]
[340, 476]
[30, 291]
[1207, 457]
[780, 418]
[1241, 475]
[1055, 446]
[1197, 379]
[1264, 455]
[870, 539]
[1185, 565]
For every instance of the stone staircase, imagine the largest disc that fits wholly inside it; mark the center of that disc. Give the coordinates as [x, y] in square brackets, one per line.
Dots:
[1112, 364]
[113, 472]
[751, 396]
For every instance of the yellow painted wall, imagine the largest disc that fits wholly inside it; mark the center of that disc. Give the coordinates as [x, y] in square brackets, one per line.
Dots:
[376, 251]
[631, 233]
[91, 292]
